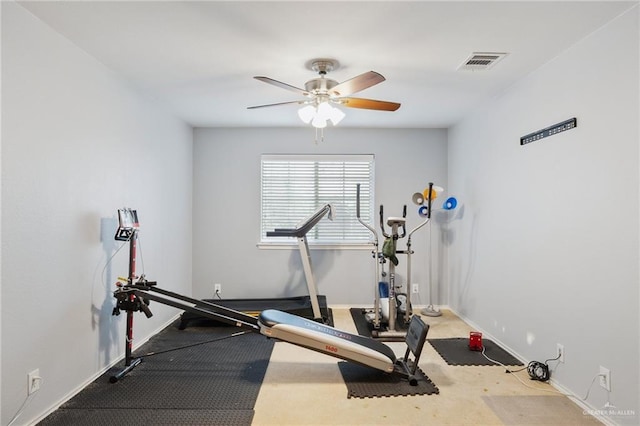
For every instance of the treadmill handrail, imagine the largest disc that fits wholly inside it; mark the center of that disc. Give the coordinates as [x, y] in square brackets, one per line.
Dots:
[302, 229]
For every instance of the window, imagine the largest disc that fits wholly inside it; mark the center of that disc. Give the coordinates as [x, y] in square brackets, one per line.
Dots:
[295, 186]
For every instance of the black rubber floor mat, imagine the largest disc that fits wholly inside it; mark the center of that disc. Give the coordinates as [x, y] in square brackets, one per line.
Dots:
[192, 320]
[365, 328]
[366, 382]
[213, 383]
[129, 417]
[455, 351]
[297, 305]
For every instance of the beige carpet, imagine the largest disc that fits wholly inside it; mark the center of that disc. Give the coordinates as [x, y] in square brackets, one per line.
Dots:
[537, 410]
[302, 387]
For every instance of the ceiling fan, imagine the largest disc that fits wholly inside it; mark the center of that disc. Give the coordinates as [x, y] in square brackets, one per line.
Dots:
[321, 92]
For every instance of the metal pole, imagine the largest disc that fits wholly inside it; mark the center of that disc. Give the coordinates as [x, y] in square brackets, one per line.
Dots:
[131, 279]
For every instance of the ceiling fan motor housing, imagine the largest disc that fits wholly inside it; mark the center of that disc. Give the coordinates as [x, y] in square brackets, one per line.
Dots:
[323, 65]
[320, 86]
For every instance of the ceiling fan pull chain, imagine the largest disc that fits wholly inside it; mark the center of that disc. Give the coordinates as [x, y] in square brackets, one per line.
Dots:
[321, 135]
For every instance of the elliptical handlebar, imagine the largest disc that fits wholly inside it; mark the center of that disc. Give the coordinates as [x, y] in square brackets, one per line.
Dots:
[429, 200]
[384, 233]
[366, 225]
[404, 226]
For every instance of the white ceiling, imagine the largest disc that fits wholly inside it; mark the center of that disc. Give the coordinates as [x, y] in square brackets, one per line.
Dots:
[198, 58]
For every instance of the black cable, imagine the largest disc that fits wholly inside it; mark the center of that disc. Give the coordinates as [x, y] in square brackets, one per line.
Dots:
[552, 359]
[515, 371]
[540, 370]
[537, 370]
[240, 333]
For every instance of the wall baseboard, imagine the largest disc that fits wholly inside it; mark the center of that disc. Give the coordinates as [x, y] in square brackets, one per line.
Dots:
[415, 307]
[100, 372]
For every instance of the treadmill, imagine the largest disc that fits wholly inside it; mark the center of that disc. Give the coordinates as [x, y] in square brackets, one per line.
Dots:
[311, 306]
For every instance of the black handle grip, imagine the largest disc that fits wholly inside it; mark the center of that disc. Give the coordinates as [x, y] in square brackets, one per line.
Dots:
[382, 221]
[144, 308]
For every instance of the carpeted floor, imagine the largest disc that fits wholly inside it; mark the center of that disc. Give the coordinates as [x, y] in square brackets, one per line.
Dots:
[215, 383]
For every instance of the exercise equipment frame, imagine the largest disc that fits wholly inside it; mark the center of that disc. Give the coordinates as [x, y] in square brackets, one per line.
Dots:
[390, 331]
[136, 294]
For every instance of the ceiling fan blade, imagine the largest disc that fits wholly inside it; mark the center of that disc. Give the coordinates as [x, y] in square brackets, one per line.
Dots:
[356, 84]
[369, 104]
[283, 85]
[278, 104]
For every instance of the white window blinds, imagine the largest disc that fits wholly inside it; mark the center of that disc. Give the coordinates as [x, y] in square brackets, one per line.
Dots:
[295, 186]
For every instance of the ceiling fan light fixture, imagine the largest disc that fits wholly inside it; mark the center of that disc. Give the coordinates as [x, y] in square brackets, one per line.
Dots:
[319, 115]
[336, 115]
[318, 122]
[324, 110]
[307, 113]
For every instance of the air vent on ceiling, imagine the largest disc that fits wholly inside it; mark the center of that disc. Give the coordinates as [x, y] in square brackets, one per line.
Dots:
[481, 60]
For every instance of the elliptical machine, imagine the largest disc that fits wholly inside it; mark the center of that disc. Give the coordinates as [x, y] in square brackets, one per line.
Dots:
[385, 318]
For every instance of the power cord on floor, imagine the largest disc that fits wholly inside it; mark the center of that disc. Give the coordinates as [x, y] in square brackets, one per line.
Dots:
[538, 371]
[520, 380]
[536, 364]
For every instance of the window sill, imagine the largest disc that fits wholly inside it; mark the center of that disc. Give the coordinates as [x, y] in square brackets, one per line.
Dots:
[294, 246]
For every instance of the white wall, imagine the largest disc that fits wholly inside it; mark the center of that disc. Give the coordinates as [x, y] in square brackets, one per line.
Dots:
[227, 210]
[77, 144]
[547, 251]
[0, 241]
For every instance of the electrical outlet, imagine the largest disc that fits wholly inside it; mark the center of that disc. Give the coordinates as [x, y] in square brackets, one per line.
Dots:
[33, 381]
[605, 378]
[217, 289]
[415, 288]
[560, 352]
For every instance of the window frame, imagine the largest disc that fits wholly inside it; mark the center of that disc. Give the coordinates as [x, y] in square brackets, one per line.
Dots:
[367, 212]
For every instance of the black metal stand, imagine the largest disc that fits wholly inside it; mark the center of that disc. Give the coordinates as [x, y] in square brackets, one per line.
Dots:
[130, 307]
[137, 293]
